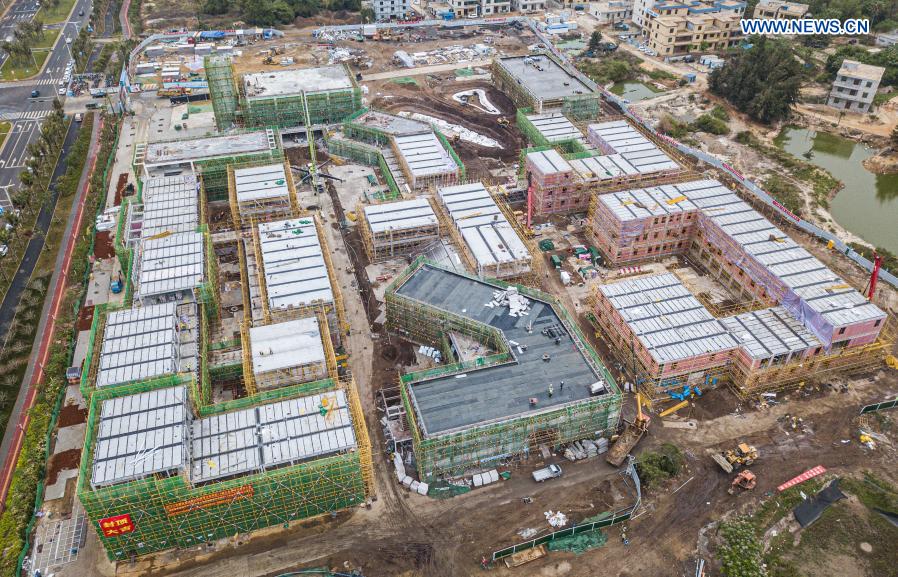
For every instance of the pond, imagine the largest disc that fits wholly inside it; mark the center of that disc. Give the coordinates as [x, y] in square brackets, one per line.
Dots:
[868, 205]
[634, 91]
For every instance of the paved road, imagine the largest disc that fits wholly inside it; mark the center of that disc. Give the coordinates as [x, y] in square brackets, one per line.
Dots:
[16, 104]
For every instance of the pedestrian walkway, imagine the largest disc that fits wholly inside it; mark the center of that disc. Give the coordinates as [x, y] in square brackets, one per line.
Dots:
[30, 115]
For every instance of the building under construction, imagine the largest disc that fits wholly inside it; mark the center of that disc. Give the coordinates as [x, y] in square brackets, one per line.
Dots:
[209, 157]
[395, 229]
[811, 321]
[281, 98]
[542, 83]
[411, 154]
[564, 175]
[518, 375]
[489, 243]
[265, 192]
[162, 471]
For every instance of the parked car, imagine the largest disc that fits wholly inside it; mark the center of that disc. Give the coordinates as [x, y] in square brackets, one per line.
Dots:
[4, 250]
[35, 93]
[550, 472]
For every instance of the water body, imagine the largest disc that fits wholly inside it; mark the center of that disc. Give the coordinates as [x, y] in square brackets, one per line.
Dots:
[868, 205]
[633, 91]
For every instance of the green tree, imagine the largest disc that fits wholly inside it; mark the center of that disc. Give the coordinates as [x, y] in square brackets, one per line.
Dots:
[762, 81]
[595, 40]
[216, 6]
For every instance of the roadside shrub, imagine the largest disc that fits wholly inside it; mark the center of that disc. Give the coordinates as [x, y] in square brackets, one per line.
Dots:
[710, 124]
[741, 554]
[655, 467]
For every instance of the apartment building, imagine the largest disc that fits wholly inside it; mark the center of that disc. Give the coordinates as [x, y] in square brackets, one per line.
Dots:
[645, 10]
[475, 8]
[778, 10]
[681, 34]
[612, 11]
[386, 10]
[855, 86]
[529, 6]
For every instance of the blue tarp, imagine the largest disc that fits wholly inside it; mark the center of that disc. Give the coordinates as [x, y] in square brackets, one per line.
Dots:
[212, 34]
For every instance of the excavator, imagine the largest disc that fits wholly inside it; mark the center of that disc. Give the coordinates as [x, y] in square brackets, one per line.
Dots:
[631, 435]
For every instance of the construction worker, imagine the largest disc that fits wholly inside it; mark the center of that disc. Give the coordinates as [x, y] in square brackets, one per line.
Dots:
[551, 390]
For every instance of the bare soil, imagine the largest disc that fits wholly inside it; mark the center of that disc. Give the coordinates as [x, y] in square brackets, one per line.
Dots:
[85, 318]
[71, 415]
[103, 247]
[61, 461]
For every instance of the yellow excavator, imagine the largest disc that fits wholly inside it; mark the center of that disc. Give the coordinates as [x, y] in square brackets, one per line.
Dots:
[742, 456]
[633, 432]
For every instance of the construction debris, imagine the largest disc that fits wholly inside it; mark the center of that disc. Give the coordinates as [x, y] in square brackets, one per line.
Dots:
[556, 519]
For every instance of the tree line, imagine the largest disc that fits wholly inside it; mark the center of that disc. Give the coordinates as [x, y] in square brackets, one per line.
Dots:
[272, 12]
[23, 39]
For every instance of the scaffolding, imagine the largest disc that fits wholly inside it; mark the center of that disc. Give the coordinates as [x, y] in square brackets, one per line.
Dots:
[287, 111]
[222, 91]
[263, 208]
[395, 239]
[162, 512]
[454, 452]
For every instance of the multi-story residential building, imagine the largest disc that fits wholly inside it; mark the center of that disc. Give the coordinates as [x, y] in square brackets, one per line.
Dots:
[779, 10]
[385, 10]
[675, 30]
[855, 86]
[612, 11]
[645, 10]
[527, 6]
[475, 8]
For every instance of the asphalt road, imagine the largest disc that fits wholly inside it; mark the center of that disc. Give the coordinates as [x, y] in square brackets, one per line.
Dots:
[36, 244]
[16, 104]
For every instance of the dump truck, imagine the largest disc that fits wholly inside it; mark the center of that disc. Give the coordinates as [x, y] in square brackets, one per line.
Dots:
[546, 473]
[633, 432]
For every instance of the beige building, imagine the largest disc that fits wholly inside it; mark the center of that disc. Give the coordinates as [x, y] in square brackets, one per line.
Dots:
[680, 34]
[612, 11]
[476, 8]
[855, 86]
[778, 10]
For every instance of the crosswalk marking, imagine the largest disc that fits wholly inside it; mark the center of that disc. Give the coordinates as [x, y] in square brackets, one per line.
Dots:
[30, 115]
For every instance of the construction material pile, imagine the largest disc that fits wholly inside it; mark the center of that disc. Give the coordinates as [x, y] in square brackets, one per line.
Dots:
[585, 449]
[518, 305]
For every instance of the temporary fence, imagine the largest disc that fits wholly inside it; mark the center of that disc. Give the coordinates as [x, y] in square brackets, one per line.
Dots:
[879, 406]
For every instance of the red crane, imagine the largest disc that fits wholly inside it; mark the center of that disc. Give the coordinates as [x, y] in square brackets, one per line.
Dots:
[874, 276]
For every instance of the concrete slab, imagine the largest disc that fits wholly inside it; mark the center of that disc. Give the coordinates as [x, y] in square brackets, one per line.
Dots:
[57, 489]
[68, 438]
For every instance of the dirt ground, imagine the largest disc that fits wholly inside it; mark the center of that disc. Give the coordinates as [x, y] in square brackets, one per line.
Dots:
[103, 247]
[71, 415]
[65, 460]
[434, 98]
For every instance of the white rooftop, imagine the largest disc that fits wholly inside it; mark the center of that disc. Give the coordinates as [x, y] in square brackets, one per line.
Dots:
[170, 264]
[667, 319]
[424, 154]
[640, 203]
[295, 271]
[855, 69]
[769, 333]
[138, 344]
[139, 435]
[548, 161]
[621, 137]
[286, 345]
[401, 215]
[293, 82]
[555, 127]
[183, 151]
[261, 183]
[272, 435]
[169, 205]
[489, 236]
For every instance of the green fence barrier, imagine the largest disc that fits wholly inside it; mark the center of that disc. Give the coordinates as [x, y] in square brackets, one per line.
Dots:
[879, 406]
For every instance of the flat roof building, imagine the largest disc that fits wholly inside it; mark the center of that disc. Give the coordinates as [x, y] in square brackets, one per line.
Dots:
[263, 192]
[287, 353]
[779, 10]
[490, 241]
[170, 267]
[621, 137]
[501, 406]
[275, 83]
[424, 160]
[554, 127]
[542, 83]
[295, 272]
[855, 86]
[398, 228]
[170, 205]
[144, 343]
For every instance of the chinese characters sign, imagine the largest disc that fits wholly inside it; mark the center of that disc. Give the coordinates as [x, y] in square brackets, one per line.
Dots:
[117, 525]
